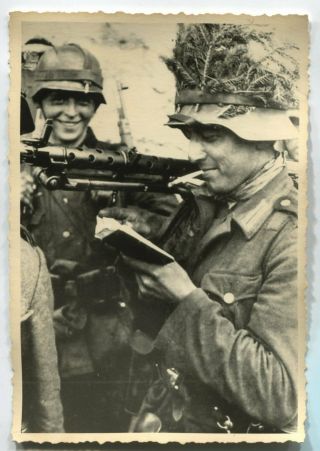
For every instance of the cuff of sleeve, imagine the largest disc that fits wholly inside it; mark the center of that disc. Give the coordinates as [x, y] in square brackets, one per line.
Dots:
[196, 299]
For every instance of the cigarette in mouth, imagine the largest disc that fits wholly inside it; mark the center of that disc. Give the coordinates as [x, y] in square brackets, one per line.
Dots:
[189, 178]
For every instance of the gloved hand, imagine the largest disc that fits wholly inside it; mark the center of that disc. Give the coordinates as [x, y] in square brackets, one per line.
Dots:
[150, 225]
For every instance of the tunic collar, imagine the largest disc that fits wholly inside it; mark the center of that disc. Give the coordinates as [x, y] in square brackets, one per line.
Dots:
[251, 214]
[279, 194]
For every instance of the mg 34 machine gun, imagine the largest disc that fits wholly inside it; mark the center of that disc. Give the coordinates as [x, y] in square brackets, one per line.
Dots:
[76, 169]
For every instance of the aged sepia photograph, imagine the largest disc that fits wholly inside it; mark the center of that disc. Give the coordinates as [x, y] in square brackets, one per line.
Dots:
[157, 227]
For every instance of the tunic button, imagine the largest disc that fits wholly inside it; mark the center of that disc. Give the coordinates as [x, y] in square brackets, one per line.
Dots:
[228, 298]
[285, 203]
[65, 200]
[66, 234]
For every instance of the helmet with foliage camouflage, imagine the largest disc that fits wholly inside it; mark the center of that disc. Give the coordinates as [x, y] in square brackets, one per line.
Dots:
[68, 68]
[237, 77]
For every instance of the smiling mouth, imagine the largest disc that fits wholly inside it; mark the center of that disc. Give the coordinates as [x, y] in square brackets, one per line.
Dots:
[68, 123]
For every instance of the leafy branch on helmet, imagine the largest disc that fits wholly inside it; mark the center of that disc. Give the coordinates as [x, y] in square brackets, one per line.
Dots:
[235, 59]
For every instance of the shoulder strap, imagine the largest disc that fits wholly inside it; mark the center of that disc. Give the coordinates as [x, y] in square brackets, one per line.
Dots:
[26, 235]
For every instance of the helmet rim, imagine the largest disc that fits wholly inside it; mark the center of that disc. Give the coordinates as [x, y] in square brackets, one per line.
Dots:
[69, 86]
[260, 124]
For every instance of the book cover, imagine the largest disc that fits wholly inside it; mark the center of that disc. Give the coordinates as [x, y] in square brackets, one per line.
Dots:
[129, 242]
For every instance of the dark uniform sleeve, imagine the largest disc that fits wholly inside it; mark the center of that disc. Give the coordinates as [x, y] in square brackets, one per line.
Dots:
[253, 367]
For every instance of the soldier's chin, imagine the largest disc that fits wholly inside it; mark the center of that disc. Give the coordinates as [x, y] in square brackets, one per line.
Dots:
[219, 188]
[68, 135]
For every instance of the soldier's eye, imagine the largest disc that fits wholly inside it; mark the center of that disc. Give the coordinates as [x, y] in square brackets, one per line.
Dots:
[211, 138]
[56, 99]
[209, 134]
[83, 103]
[57, 102]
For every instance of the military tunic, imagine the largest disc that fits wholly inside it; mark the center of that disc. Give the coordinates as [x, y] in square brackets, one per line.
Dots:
[229, 350]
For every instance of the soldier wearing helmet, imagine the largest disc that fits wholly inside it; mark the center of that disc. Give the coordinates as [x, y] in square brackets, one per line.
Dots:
[227, 348]
[92, 324]
[31, 53]
[68, 88]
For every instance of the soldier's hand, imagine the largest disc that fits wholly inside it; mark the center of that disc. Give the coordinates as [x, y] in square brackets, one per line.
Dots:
[27, 190]
[168, 282]
[68, 320]
[150, 225]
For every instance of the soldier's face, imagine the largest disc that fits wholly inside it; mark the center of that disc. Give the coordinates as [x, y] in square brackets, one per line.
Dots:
[71, 113]
[226, 160]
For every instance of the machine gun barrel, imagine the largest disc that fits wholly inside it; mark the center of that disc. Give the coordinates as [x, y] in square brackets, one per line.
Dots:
[59, 167]
[123, 160]
[97, 169]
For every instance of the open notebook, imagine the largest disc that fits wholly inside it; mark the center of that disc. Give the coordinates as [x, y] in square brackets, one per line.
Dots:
[129, 242]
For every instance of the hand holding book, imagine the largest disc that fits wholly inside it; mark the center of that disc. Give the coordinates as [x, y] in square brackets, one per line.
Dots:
[168, 283]
[149, 224]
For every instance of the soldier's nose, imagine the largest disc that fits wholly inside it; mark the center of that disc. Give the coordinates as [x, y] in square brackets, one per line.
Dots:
[70, 108]
[196, 152]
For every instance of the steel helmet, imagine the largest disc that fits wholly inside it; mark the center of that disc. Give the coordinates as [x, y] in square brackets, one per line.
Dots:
[68, 68]
[237, 77]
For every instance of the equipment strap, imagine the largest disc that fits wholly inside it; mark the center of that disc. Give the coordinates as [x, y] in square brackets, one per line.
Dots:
[83, 75]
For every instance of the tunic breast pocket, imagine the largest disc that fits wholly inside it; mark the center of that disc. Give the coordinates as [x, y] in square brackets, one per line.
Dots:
[236, 294]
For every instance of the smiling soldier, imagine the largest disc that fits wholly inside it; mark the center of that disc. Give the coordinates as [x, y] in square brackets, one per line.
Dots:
[228, 349]
[92, 322]
[67, 89]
